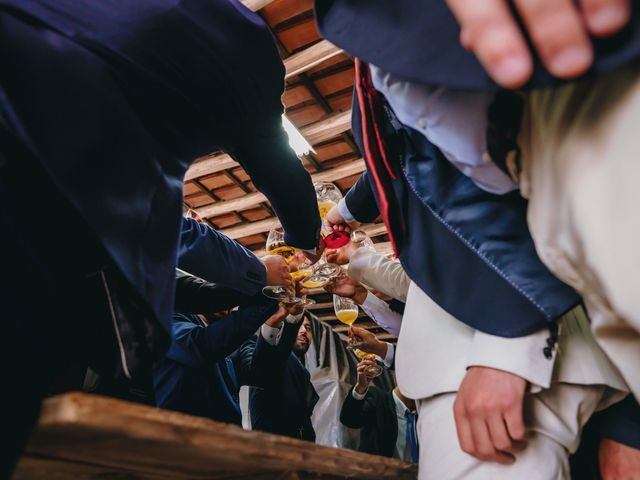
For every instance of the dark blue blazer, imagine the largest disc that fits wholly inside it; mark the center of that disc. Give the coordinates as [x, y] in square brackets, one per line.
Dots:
[360, 200]
[285, 402]
[117, 98]
[205, 366]
[469, 250]
[420, 40]
[195, 295]
[212, 256]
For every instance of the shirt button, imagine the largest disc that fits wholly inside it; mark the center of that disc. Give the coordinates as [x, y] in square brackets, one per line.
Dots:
[422, 122]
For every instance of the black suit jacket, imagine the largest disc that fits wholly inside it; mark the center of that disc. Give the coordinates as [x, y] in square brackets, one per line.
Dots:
[376, 416]
[116, 99]
[205, 366]
[195, 295]
[285, 402]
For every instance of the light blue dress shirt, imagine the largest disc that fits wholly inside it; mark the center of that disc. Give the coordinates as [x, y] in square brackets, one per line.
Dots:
[453, 120]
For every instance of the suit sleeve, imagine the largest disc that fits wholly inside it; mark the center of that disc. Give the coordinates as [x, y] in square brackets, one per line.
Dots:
[260, 364]
[360, 200]
[380, 273]
[196, 345]
[356, 413]
[195, 295]
[276, 171]
[209, 254]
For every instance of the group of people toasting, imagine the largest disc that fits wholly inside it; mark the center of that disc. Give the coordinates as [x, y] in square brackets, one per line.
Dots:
[499, 139]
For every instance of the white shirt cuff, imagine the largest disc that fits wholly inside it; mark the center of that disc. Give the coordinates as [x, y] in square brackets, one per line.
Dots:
[358, 396]
[294, 318]
[381, 313]
[344, 212]
[271, 334]
[521, 356]
[391, 352]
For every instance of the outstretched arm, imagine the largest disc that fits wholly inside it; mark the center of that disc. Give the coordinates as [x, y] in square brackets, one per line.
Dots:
[197, 345]
[276, 171]
[209, 254]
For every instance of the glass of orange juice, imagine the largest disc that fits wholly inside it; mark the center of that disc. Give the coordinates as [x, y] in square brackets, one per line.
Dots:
[347, 312]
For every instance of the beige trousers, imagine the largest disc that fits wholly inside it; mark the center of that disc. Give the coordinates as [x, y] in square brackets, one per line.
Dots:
[554, 417]
[581, 173]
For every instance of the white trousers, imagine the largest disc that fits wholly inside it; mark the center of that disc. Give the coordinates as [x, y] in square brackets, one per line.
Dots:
[554, 420]
[581, 173]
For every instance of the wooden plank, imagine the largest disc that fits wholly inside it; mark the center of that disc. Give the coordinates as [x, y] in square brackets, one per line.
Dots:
[252, 199]
[210, 164]
[94, 432]
[317, 132]
[309, 58]
[255, 5]
[328, 127]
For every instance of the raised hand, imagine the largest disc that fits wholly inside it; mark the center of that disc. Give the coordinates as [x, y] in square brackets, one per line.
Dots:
[368, 342]
[559, 30]
[278, 272]
[363, 379]
[344, 286]
[341, 256]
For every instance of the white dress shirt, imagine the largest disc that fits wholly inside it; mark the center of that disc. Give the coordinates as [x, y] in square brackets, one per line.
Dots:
[400, 450]
[453, 120]
[380, 312]
[272, 334]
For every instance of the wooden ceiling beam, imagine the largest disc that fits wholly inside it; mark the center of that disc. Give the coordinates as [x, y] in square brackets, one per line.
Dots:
[310, 57]
[209, 164]
[252, 199]
[328, 127]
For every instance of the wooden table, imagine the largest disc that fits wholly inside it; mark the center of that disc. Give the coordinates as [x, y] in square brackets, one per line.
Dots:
[81, 436]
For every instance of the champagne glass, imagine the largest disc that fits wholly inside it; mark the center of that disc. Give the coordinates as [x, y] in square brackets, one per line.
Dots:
[328, 195]
[362, 240]
[321, 274]
[372, 371]
[276, 245]
[347, 312]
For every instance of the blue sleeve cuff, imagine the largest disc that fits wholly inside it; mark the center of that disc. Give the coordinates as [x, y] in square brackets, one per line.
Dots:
[344, 212]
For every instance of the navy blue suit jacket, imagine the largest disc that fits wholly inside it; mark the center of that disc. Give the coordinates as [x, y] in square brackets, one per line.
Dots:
[285, 402]
[420, 40]
[117, 98]
[212, 256]
[204, 368]
[469, 250]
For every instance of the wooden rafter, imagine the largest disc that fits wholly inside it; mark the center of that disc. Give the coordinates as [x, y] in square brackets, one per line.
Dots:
[309, 58]
[252, 199]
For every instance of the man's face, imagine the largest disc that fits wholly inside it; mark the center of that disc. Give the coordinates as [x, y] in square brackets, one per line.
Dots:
[303, 340]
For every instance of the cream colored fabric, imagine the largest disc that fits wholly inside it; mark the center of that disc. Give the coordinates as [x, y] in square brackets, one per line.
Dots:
[581, 173]
[379, 273]
[434, 351]
[554, 419]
